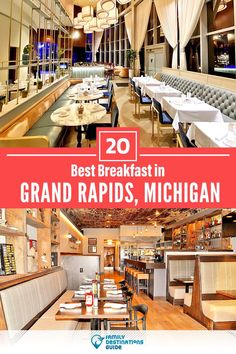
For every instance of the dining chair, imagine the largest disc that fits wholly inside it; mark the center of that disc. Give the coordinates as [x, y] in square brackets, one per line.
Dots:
[139, 320]
[91, 129]
[105, 87]
[182, 139]
[141, 101]
[107, 103]
[123, 282]
[110, 89]
[164, 120]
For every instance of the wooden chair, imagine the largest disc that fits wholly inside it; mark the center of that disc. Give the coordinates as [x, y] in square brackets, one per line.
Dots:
[132, 324]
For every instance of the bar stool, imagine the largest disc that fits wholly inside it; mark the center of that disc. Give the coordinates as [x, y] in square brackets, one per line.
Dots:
[134, 274]
[142, 282]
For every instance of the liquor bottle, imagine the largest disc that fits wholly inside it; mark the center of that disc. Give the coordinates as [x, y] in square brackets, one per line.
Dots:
[95, 294]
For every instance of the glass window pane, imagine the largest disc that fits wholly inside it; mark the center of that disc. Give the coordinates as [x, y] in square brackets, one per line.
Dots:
[220, 17]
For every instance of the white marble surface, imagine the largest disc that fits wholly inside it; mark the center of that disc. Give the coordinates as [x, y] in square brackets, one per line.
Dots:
[68, 115]
[190, 110]
[212, 134]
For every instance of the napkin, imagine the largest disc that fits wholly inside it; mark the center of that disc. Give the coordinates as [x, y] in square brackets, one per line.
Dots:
[114, 292]
[70, 306]
[114, 305]
[106, 287]
[86, 287]
[109, 280]
[80, 292]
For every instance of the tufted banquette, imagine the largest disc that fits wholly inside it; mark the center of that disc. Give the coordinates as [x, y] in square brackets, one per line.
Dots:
[224, 100]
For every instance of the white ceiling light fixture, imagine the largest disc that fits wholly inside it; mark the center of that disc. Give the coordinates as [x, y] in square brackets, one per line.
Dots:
[81, 21]
[113, 16]
[76, 24]
[222, 6]
[108, 5]
[103, 24]
[87, 29]
[123, 2]
[101, 13]
[93, 24]
[87, 13]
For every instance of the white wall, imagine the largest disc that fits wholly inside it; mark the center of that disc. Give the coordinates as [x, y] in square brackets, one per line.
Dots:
[101, 235]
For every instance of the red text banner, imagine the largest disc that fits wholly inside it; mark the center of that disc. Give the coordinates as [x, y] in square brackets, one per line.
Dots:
[118, 174]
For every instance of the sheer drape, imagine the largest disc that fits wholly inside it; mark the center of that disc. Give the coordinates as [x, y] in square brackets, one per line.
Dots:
[143, 11]
[128, 25]
[189, 14]
[97, 42]
[167, 13]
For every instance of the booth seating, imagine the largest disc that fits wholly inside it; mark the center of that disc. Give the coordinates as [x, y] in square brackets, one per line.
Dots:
[223, 100]
[178, 267]
[34, 303]
[205, 304]
[34, 128]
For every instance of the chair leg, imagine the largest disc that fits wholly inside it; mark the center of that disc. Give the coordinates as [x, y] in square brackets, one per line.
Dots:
[139, 117]
[158, 132]
[152, 124]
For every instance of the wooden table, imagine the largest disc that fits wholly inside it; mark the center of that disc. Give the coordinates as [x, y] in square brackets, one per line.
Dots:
[187, 282]
[228, 293]
[94, 315]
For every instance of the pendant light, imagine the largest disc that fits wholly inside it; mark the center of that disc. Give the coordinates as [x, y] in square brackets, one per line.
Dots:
[76, 23]
[87, 29]
[101, 13]
[108, 5]
[103, 24]
[112, 18]
[93, 24]
[81, 21]
[123, 2]
[87, 13]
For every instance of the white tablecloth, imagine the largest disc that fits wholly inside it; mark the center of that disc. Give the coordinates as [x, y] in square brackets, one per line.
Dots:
[190, 111]
[146, 81]
[213, 134]
[159, 92]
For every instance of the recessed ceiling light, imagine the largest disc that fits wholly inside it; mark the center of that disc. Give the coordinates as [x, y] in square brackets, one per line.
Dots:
[229, 216]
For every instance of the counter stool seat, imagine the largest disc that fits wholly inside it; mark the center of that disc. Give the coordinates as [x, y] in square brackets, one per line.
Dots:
[142, 282]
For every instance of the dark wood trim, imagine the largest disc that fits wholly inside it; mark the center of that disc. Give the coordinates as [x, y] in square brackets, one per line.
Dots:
[144, 265]
[220, 258]
[214, 297]
[5, 283]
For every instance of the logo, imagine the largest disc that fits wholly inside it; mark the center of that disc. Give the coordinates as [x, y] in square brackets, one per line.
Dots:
[97, 341]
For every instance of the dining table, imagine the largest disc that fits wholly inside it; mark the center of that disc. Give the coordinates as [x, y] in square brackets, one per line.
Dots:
[70, 116]
[104, 312]
[189, 110]
[187, 282]
[86, 96]
[161, 91]
[213, 134]
[144, 81]
[105, 294]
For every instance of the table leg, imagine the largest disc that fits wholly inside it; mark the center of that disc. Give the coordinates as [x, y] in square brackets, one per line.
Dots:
[79, 136]
[187, 288]
[95, 324]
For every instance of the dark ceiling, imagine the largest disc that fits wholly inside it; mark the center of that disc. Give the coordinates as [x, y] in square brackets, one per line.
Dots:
[114, 218]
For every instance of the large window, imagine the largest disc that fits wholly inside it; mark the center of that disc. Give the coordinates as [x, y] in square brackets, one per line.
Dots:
[221, 38]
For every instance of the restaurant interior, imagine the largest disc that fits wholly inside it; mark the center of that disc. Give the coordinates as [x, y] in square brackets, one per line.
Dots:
[117, 269]
[70, 66]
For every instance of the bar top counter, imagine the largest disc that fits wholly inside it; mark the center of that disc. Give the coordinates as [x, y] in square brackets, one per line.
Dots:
[145, 264]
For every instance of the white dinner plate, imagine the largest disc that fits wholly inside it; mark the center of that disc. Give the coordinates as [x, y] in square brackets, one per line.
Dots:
[114, 305]
[70, 306]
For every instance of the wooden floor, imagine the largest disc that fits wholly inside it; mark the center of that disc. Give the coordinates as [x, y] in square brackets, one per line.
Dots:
[161, 314]
[128, 119]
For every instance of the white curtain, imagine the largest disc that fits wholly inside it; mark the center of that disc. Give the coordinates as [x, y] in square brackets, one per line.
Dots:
[128, 25]
[167, 13]
[189, 14]
[142, 15]
[97, 42]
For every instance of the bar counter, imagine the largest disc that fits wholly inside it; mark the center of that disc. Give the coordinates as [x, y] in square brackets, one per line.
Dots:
[157, 276]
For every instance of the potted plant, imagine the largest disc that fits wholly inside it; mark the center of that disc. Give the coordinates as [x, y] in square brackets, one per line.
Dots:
[58, 73]
[131, 55]
[26, 54]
